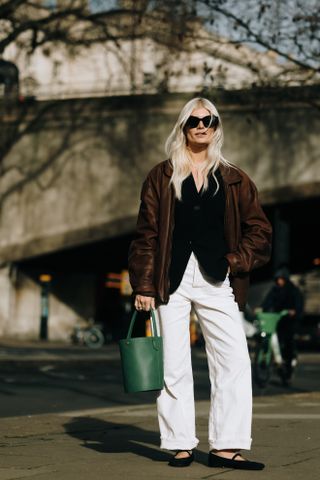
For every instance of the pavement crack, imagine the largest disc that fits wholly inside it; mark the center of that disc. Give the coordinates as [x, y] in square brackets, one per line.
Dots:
[33, 476]
[30, 472]
[308, 451]
[297, 461]
[221, 472]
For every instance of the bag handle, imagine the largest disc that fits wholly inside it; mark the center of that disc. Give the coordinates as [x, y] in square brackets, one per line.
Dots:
[133, 319]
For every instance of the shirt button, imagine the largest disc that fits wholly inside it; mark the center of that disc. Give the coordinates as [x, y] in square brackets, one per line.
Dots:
[196, 207]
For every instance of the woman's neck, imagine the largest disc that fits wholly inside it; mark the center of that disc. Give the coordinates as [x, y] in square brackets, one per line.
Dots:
[197, 154]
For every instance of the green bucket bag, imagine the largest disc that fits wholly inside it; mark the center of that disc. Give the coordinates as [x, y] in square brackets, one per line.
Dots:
[142, 360]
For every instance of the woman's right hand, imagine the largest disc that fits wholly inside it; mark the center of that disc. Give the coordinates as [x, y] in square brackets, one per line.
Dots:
[144, 303]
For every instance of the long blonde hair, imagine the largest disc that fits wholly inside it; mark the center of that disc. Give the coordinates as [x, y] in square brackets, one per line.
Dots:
[176, 147]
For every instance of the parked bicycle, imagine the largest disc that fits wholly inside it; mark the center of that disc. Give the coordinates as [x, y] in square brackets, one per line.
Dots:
[90, 335]
[267, 356]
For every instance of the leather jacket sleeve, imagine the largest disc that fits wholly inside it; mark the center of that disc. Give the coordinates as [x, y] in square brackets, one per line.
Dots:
[254, 247]
[143, 248]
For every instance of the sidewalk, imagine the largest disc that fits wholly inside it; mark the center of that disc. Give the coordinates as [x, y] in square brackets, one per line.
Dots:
[28, 351]
[122, 443]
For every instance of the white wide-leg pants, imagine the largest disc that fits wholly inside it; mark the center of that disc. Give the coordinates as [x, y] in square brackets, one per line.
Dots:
[228, 360]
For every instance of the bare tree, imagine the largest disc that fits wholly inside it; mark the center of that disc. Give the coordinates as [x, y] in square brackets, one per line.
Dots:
[31, 24]
[288, 28]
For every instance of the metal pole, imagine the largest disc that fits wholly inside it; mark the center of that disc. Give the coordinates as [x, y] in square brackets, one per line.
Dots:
[44, 316]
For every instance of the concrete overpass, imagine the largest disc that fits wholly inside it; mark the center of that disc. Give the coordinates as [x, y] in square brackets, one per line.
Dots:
[72, 179]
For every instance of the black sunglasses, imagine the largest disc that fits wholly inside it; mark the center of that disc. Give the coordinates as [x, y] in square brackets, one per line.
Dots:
[210, 121]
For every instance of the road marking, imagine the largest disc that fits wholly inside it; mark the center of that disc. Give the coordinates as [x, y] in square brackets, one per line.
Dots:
[134, 410]
[287, 416]
[148, 410]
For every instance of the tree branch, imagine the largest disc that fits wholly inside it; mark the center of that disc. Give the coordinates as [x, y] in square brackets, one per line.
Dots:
[260, 40]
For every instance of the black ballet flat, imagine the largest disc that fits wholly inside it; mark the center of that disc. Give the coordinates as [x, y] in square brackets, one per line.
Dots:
[221, 462]
[181, 462]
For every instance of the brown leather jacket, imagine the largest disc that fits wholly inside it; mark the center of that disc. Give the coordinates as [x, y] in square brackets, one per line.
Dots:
[247, 231]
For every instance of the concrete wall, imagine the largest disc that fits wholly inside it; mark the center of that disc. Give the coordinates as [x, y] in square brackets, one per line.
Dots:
[70, 302]
[75, 177]
[146, 66]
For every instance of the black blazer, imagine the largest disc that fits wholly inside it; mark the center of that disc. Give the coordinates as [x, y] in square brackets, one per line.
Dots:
[199, 228]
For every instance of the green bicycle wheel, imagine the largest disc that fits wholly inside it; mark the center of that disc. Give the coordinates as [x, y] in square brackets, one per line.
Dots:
[262, 363]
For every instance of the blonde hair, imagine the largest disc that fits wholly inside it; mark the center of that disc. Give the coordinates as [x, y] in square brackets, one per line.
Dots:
[176, 147]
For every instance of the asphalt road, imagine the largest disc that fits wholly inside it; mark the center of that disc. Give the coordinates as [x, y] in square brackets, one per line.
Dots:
[64, 415]
[50, 379]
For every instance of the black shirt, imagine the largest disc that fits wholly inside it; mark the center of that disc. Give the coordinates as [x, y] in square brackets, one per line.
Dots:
[199, 228]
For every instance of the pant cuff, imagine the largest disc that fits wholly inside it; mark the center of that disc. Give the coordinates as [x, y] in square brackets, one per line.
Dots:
[174, 444]
[230, 443]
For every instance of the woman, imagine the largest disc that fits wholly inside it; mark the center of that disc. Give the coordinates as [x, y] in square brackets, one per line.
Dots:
[200, 231]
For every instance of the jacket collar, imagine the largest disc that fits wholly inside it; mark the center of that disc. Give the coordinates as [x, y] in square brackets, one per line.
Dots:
[229, 174]
[168, 168]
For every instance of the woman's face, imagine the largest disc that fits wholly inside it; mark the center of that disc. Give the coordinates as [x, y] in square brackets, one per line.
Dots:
[200, 135]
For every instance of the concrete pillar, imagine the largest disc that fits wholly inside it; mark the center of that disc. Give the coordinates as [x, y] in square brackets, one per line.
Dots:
[5, 298]
[71, 301]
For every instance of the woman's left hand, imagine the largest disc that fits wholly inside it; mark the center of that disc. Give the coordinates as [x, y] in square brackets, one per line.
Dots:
[144, 303]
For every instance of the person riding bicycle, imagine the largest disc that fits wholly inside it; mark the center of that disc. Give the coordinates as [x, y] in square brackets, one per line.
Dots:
[284, 295]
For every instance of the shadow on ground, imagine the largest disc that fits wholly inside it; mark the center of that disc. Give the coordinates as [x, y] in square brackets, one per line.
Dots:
[108, 437]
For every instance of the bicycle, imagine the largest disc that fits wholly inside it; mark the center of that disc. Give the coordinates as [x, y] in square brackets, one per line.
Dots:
[267, 352]
[90, 335]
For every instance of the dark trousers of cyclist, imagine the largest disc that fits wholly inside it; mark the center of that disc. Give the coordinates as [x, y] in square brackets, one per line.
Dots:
[286, 333]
